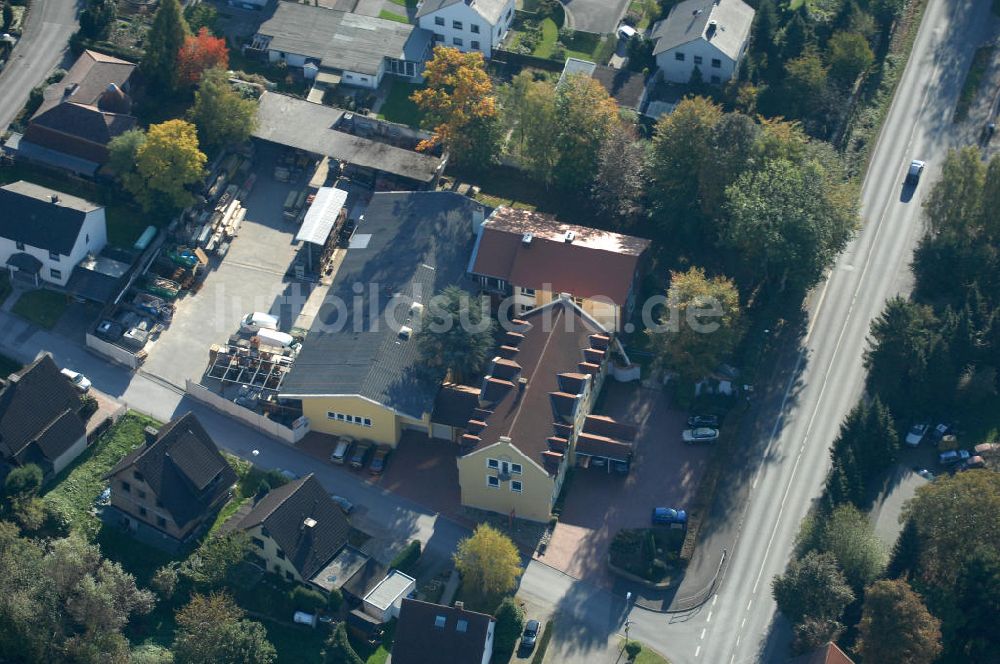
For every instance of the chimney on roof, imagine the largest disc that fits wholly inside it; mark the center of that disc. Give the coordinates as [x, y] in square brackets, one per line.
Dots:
[570, 236]
[54, 198]
[526, 239]
[710, 30]
[150, 432]
[459, 605]
[309, 522]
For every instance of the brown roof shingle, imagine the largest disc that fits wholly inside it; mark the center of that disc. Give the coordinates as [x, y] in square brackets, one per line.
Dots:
[596, 263]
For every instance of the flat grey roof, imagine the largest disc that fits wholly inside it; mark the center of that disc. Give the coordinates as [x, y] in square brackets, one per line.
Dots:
[389, 589]
[419, 244]
[339, 40]
[308, 126]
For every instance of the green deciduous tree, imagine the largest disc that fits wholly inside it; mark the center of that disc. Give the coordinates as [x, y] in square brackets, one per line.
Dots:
[971, 634]
[847, 533]
[788, 222]
[812, 587]
[850, 56]
[586, 114]
[618, 183]
[456, 333]
[488, 561]
[210, 565]
[954, 516]
[701, 325]
[531, 110]
[510, 621]
[954, 205]
[97, 17]
[896, 627]
[163, 43]
[213, 629]
[338, 649]
[222, 116]
[23, 481]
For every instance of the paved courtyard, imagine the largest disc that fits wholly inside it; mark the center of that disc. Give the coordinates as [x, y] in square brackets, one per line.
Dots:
[665, 472]
[251, 277]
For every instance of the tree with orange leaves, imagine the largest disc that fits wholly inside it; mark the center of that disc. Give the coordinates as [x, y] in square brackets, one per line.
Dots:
[460, 107]
[200, 52]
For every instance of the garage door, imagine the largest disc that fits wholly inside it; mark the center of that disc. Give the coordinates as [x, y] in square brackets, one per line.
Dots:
[442, 431]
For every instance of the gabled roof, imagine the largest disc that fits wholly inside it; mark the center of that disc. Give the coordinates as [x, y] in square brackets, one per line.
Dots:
[411, 245]
[39, 413]
[89, 101]
[304, 521]
[690, 20]
[433, 634]
[531, 408]
[338, 39]
[828, 654]
[490, 10]
[183, 467]
[594, 263]
[30, 216]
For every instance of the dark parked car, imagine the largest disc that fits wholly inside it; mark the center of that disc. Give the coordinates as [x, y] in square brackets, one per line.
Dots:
[379, 461]
[669, 516]
[361, 453]
[951, 457]
[529, 636]
[914, 172]
[700, 421]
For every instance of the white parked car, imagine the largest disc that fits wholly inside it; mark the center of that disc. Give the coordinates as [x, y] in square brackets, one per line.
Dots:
[79, 381]
[700, 435]
[916, 434]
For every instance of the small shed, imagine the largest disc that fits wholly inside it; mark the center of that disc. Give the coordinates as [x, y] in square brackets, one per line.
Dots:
[384, 600]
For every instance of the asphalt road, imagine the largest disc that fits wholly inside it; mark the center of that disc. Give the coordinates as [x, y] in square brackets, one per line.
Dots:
[739, 624]
[42, 46]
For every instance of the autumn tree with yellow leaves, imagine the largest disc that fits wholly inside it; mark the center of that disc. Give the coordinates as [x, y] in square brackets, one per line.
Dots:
[158, 167]
[460, 107]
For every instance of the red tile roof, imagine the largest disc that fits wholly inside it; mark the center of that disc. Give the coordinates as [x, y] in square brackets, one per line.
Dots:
[828, 654]
[595, 263]
[524, 412]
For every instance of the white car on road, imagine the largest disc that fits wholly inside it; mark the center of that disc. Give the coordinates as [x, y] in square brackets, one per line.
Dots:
[700, 435]
[79, 381]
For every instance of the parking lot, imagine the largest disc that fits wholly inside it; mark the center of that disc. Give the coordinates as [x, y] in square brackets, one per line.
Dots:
[251, 277]
[665, 473]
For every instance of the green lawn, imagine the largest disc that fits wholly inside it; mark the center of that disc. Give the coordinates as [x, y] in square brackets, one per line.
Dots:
[76, 489]
[125, 224]
[398, 107]
[380, 653]
[41, 307]
[393, 16]
[646, 655]
[550, 34]
[295, 645]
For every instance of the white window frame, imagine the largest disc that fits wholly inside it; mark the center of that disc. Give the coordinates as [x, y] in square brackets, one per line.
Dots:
[516, 469]
[527, 292]
[493, 464]
[517, 486]
[492, 481]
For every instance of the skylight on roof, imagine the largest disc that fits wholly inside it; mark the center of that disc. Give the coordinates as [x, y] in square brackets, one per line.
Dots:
[439, 621]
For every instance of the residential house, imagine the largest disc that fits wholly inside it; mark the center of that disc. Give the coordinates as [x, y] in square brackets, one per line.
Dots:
[44, 233]
[468, 25]
[81, 114]
[378, 154]
[627, 88]
[358, 373]
[342, 47]
[172, 486]
[433, 634]
[534, 403]
[533, 259]
[710, 35]
[40, 419]
[828, 654]
[295, 529]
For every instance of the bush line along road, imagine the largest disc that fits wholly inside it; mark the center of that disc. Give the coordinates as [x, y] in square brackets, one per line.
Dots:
[738, 624]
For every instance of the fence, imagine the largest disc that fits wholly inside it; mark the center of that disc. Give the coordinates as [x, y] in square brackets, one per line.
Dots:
[112, 352]
[256, 420]
[512, 59]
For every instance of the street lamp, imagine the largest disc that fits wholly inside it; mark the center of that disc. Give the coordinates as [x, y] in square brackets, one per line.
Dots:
[628, 623]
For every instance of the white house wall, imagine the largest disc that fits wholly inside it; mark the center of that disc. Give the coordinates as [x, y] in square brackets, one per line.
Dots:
[91, 240]
[489, 36]
[679, 71]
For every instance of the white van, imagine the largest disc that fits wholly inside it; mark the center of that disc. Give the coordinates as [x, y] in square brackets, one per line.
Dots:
[257, 321]
[339, 454]
[274, 338]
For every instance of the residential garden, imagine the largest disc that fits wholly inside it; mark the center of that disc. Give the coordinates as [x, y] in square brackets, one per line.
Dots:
[542, 34]
[652, 554]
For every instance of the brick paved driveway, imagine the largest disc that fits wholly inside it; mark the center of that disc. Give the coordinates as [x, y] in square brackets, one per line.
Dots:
[665, 472]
